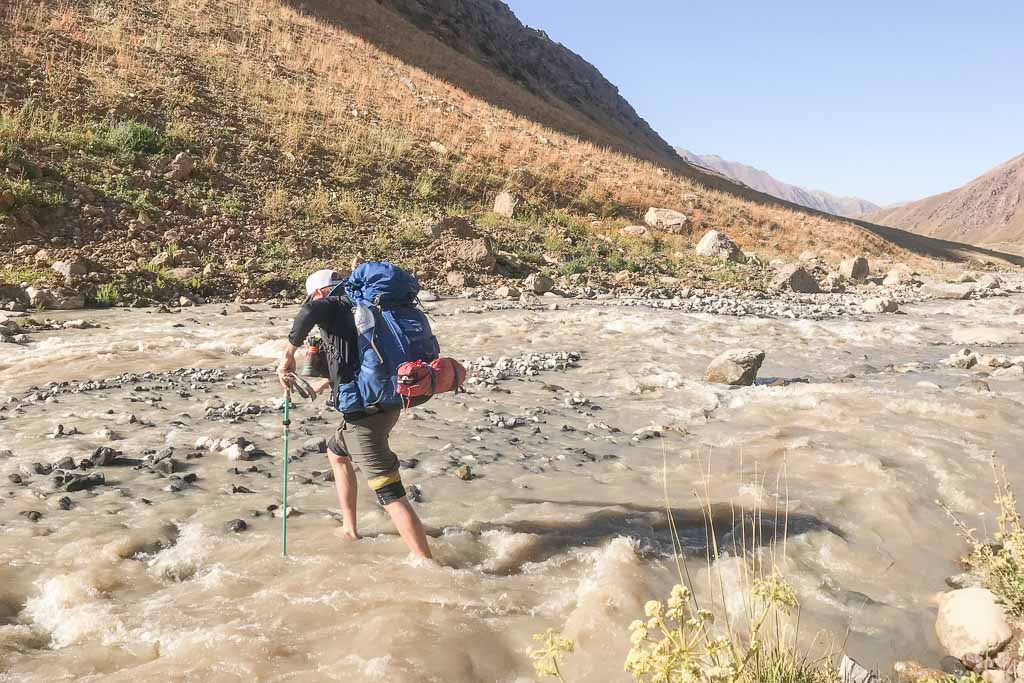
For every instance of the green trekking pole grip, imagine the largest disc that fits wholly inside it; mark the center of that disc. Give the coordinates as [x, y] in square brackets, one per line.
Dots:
[284, 495]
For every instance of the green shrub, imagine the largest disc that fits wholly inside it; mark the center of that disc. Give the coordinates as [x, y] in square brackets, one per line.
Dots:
[129, 137]
[107, 295]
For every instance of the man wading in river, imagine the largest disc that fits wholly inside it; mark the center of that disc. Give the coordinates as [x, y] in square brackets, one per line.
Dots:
[370, 327]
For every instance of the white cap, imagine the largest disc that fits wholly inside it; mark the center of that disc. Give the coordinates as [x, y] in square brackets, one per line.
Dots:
[320, 279]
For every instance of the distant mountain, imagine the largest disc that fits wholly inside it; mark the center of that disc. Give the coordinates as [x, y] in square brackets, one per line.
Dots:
[763, 182]
[988, 210]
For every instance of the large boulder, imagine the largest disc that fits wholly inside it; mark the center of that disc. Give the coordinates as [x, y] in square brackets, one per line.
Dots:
[716, 245]
[972, 623]
[71, 268]
[538, 283]
[900, 275]
[454, 226]
[505, 204]
[477, 255]
[665, 219]
[54, 300]
[796, 278]
[736, 367]
[856, 269]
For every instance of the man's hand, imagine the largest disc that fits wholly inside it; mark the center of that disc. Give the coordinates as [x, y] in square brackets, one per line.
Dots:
[286, 368]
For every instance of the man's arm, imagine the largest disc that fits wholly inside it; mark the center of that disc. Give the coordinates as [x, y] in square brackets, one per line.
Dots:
[312, 314]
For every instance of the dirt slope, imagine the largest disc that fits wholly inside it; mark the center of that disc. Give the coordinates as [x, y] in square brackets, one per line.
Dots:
[989, 210]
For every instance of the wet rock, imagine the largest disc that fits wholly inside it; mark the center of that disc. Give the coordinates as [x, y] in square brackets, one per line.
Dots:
[316, 444]
[971, 622]
[65, 463]
[505, 204]
[80, 483]
[33, 515]
[408, 463]
[64, 503]
[796, 278]
[167, 466]
[1018, 310]
[736, 367]
[668, 220]
[288, 512]
[965, 359]
[235, 526]
[879, 305]
[464, 472]
[415, 493]
[980, 387]
[645, 433]
[14, 478]
[235, 452]
[538, 283]
[954, 666]
[852, 672]
[856, 269]
[964, 580]
[716, 245]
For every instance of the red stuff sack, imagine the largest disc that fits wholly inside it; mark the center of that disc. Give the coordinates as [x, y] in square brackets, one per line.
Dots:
[418, 379]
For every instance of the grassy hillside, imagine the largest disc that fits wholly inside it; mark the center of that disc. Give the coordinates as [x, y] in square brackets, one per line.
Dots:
[311, 145]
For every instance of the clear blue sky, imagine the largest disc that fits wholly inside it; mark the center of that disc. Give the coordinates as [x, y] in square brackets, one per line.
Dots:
[889, 101]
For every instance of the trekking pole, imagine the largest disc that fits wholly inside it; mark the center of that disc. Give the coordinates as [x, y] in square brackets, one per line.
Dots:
[284, 502]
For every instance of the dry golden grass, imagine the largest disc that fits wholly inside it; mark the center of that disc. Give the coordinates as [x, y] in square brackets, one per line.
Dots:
[319, 92]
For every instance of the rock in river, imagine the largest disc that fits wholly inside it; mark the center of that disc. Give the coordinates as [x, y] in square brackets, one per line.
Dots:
[737, 367]
[971, 623]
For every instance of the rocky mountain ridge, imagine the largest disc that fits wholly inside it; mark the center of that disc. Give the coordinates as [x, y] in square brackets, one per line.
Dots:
[764, 182]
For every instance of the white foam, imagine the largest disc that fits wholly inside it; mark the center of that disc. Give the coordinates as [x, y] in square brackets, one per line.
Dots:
[182, 560]
[71, 609]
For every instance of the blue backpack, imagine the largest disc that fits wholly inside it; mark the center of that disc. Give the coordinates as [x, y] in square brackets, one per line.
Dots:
[391, 330]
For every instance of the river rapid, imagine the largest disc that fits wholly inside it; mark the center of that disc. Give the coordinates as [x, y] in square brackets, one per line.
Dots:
[564, 524]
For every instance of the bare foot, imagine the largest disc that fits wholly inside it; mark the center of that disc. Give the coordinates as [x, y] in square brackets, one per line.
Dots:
[350, 535]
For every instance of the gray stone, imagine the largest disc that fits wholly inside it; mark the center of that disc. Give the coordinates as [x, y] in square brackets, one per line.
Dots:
[852, 672]
[716, 245]
[506, 292]
[796, 278]
[459, 280]
[476, 255]
[856, 269]
[465, 473]
[316, 444]
[235, 526]
[538, 283]
[635, 231]
[72, 268]
[971, 622]
[945, 290]
[736, 367]
[505, 204]
[668, 220]
[879, 305]
[180, 167]
[899, 275]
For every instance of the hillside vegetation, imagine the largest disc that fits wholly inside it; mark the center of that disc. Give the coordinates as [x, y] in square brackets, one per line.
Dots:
[306, 144]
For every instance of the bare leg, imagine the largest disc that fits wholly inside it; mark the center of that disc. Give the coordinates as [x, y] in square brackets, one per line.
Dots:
[410, 528]
[345, 484]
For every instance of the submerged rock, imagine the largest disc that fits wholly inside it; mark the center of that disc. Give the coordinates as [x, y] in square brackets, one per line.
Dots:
[737, 367]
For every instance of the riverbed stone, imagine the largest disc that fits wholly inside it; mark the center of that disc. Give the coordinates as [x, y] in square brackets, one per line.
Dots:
[879, 305]
[856, 269]
[538, 283]
[736, 367]
[796, 278]
[971, 622]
